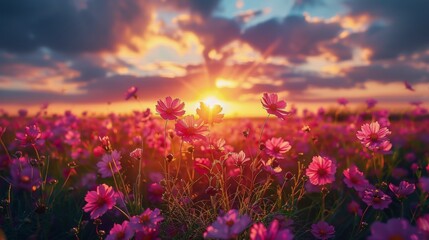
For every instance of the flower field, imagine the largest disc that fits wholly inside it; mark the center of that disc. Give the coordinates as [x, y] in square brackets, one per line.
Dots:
[163, 173]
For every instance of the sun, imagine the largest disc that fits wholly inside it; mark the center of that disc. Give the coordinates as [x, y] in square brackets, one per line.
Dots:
[210, 101]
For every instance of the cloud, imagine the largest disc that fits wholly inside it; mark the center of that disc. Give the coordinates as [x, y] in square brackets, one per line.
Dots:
[292, 37]
[98, 25]
[398, 27]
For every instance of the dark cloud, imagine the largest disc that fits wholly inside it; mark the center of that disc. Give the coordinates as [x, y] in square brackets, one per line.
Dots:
[388, 72]
[292, 37]
[97, 25]
[398, 27]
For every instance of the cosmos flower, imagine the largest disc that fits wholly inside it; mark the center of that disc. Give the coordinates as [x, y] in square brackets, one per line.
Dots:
[109, 163]
[404, 189]
[239, 159]
[190, 129]
[322, 230]
[31, 136]
[376, 198]
[137, 154]
[146, 221]
[373, 137]
[354, 178]
[276, 147]
[273, 106]
[120, 232]
[131, 92]
[396, 228]
[170, 109]
[210, 115]
[260, 232]
[99, 201]
[228, 226]
[321, 171]
[24, 175]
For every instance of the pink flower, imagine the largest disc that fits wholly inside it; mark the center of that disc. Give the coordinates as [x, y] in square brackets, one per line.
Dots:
[374, 138]
[131, 92]
[376, 198]
[322, 230]
[239, 159]
[260, 232]
[273, 106]
[147, 221]
[276, 147]
[30, 136]
[190, 129]
[354, 178]
[210, 115]
[321, 171]
[155, 192]
[120, 232]
[397, 228]
[170, 109]
[404, 189]
[109, 163]
[99, 201]
[228, 226]
[137, 154]
[24, 175]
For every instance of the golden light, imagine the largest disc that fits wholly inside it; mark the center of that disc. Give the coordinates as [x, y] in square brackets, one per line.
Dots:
[225, 83]
[210, 101]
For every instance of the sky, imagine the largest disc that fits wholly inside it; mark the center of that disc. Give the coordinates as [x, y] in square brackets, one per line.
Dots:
[84, 54]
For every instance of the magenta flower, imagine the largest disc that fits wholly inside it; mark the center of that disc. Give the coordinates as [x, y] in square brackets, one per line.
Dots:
[137, 154]
[239, 159]
[374, 137]
[131, 92]
[120, 232]
[354, 208]
[170, 109]
[376, 198]
[228, 226]
[30, 136]
[271, 103]
[354, 178]
[404, 189]
[24, 175]
[276, 147]
[99, 201]
[321, 171]
[260, 232]
[322, 230]
[109, 163]
[397, 228]
[147, 221]
[190, 129]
